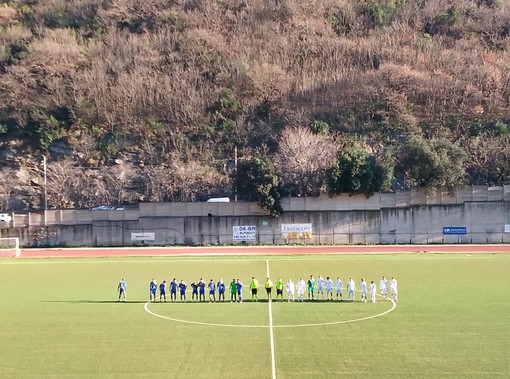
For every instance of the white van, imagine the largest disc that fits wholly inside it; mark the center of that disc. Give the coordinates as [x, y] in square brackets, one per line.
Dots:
[219, 200]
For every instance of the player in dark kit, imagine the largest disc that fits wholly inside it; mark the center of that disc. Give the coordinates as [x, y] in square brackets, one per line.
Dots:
[233, 291]
[182, 290]
[162, 291]
[201, 289]
[221, 290]
[212, 291]
[173, 290]
[194, 292]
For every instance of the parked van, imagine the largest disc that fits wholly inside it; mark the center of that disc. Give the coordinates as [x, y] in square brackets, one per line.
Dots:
[219, 200]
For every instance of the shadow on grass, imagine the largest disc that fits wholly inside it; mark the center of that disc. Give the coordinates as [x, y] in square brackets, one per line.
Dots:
[263, 301]
[93, 301]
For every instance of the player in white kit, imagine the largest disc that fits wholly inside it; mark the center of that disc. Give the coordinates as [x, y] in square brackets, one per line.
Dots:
[320, 287]
[383, 287]
[339, 288]
[351, 290]
[301, 286]
[329, 289]
[290, 290]
[372, 291]
[393, 289]
[363, 286]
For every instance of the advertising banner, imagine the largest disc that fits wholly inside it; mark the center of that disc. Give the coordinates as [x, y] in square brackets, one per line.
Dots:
[244, 233]
[296, 231]
[143, 236]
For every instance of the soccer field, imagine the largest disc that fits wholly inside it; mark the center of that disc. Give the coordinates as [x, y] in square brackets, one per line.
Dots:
[61, 318]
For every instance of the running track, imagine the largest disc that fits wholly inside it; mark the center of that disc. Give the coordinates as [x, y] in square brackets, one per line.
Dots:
[260, 250]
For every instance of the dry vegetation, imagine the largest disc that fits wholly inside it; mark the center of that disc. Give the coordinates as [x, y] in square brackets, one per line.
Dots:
[140, 100]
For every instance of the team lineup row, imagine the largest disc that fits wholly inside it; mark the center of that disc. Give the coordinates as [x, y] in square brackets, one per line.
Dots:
[325, 288]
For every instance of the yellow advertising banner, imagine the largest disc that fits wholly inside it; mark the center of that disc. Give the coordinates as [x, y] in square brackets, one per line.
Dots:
[296, 231]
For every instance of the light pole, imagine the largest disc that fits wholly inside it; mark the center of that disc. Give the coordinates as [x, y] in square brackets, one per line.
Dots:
[235, 173]
[45, 188]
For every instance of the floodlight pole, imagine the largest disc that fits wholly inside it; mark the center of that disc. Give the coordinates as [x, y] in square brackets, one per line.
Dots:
[235, 173]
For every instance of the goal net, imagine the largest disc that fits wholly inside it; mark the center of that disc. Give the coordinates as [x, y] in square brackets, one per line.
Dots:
[9, 247]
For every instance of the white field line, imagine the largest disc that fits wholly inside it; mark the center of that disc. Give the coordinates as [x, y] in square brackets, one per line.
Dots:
[271, 335]
[394, 305]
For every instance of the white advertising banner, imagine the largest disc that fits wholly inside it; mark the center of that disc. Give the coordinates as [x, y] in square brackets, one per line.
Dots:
[507, 228]
[143, 236]
[293, 231]
[244, 233]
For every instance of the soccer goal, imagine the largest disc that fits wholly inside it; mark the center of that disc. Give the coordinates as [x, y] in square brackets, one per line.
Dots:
[9, 247]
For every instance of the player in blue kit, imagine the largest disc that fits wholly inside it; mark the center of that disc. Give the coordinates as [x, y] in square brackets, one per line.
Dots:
[212, 291]
[162, 291]
[239, 287]
[194, 291]
[153, 286]
[201, 289]
[122, 289]
[182, 290]
[221, 290]
[173, 290]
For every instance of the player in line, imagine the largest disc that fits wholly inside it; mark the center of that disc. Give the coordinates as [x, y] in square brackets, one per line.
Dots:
[254, 287]
[162, 291]
[351, 290]
[279, 289]
[233, 291]
[311, 287]
[194, 292]
[221, 290]
[269, 288]
[339, 288]
[320, 288]
[173, 290]
[393, 288]
[290, 290]
[329, 289]
[212, 291]
[301, 286]
[372, 291]
[363, 286]
[153, 286]
[122, 287]
[201, 289]
[239, 287]
[383, 287]
[182, 290]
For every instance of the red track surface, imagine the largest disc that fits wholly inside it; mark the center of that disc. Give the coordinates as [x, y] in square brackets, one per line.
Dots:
[260, 250]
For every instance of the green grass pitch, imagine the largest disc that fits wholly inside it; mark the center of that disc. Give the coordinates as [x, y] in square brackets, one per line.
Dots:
[60, 318]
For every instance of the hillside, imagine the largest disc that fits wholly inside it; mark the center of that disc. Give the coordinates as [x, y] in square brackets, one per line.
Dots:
[141, 100]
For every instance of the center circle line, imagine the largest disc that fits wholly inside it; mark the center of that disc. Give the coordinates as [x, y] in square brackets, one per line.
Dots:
[394, 305]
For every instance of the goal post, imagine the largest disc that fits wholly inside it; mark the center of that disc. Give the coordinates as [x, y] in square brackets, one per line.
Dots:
[9, 247]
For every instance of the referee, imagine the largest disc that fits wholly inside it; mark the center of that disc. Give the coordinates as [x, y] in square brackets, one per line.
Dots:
[269, 287]
[254, 284]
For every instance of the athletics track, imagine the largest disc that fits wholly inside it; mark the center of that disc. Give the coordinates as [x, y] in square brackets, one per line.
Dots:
[259, 250]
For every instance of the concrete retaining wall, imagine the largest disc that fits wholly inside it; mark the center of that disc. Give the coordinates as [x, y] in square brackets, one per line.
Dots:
[484, 221]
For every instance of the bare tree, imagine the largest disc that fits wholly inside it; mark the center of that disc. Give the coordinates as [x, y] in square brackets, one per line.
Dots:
[62, 182]
[302, 159]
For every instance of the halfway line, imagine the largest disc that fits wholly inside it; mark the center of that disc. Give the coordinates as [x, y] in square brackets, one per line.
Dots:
[271, 336]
